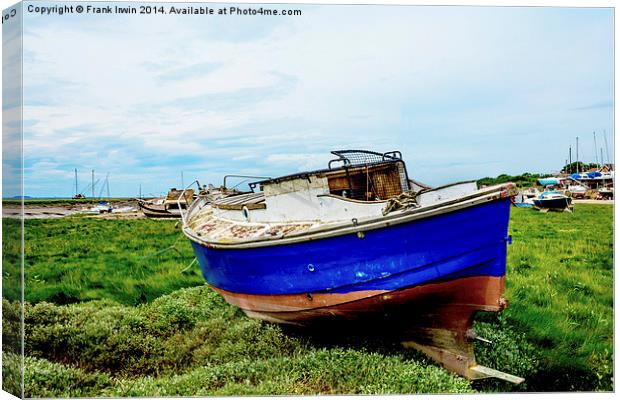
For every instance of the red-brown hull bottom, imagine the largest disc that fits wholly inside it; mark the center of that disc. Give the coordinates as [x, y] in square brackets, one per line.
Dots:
[435, 318]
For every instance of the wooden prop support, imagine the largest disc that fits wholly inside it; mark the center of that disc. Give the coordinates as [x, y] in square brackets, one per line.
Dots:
[448, 339]
[446, 334]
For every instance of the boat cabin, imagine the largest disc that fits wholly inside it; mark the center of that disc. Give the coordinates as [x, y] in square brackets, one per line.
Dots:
[356, 185]
[354, 179]
[363, 175]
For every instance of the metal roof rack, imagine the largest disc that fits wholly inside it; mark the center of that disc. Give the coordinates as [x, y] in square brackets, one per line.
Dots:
[348, 158]
[363, 157]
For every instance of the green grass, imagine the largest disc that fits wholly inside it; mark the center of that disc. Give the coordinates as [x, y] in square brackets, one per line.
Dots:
[110, 314]
[78, 259]
[560, 286]
[192, 343]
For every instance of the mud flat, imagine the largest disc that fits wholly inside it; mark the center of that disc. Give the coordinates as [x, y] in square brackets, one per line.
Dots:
[60, 211]
[38, 212]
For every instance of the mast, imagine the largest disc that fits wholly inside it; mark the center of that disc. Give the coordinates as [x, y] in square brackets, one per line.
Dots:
[606, 148]
[595, 152]
[577, 148]
[107, 184]
[602, 163]
[92, 183]
[76, 182]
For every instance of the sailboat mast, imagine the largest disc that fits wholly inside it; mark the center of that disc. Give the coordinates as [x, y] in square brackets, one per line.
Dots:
[606, 148]
[107, 184]
[76, 182]
[577, 148]
[92, 183]
[595, 152]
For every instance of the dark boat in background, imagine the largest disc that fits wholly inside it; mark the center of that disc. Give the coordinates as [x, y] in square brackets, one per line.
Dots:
[359, 243]
[553, 200]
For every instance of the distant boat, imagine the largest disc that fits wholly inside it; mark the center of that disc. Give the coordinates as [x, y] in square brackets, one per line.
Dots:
[77, 194]
[595, 179]
[530, 193]
[525, 198]
[101, 208]
[169, 206]
[577, 190]
[358, 243]
[606, 193]
[553, 200]
[549, 181]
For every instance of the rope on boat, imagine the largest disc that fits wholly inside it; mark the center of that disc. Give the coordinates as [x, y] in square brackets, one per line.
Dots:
[402, 201]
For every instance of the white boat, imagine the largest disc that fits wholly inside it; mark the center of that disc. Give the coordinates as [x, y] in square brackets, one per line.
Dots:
[577, 191]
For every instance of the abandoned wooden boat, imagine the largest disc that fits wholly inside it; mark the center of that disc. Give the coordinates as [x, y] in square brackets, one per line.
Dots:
[361, 242]
[169, 206]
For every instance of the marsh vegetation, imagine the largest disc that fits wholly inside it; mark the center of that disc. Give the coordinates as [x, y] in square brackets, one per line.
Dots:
[114, 308]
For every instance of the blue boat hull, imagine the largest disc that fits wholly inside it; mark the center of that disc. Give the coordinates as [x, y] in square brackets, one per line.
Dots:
[420, 281]
[461, 243]
[553, 204]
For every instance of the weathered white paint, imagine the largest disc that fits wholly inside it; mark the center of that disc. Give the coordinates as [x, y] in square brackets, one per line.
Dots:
[446, 193]
[312, 204]
[295, 185]
[306, 205]
[339, 209]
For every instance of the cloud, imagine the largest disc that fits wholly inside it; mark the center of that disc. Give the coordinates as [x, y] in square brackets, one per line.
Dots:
[464, 92]
[191, 71]
[597, 105]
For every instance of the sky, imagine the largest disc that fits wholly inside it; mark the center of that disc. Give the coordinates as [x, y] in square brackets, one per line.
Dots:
[11, 107]
[462, 92]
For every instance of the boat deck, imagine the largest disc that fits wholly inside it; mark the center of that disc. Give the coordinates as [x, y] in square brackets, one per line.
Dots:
[233, 231]
[215, 225]
[252, 201]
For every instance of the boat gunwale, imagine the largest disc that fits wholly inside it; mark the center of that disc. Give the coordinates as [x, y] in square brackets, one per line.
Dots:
[492, 193]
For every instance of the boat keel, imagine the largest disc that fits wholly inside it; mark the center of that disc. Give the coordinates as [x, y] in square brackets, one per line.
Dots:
[447, 337]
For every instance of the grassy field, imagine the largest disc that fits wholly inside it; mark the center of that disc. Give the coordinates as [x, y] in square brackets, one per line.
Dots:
[115, 309]
[79, 259]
